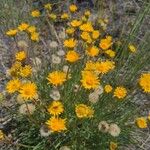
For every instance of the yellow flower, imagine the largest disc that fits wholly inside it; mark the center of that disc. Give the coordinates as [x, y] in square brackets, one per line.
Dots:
[23, 26]
[48, 6]
[64, 16]
[108, 88]
[87, 13]
[105, 66]
[106, 43]
[120, 92]
[57, 78]
[26, 71]
[56, 108]
[1, 135]
[20, 55]
[73, 8]
[28, 90]
[13, 85]
[111, 53]
[56, 124]
[132, 48]
[144, 82]
[52, 16]
[35, 36]
[90, 66]
[113, 146]
[86, 36]
[141, 122]
[31, 29]
[70, 31]
[72, 56]
[87, 27]
[92, 51]
[75, 23]
[89, 80]
[84, 19]
[35, 13]
[70, 43]
[95, 34]
[12, 32]
[84, 111]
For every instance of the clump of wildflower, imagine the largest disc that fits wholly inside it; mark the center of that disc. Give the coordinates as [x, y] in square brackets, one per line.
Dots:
[141, 122]
[87, 27]
[25, 109]
[132, 48]
[35, 36]
[114, 130]
[57, 78]
[26, 71]
[84, 111]
[31, 29]
[92, 51]
[35, 13]
[89, 80]
[110, 53]
[20, 55]
[95, 34]
[12, 32]
[56, 124]
[13, 85]
[73, 8]
[28, 90]
[70, 31]
[52, 16]
[120, 92]
[56, 108]
[48, 6]
[144, 82]
[72, 56]
[105, 43]
[70, 43]
[108, 88]
[75, 23]
[103, 126]
[1, 135]
[64, 16]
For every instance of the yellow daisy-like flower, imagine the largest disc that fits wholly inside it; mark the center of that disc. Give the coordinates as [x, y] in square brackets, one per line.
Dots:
[73, 8]
[105, 66]
[120, 92]
[70, 31]
[92, 51]
[144, 82]
[56, 108]
[20, 55]
[57, 78]
[70, 43]
[31, 29]
[87, 27]
[35, 13]
[87, 13]
[1, 135]
[141, 122]
[13, 85]
[89, 80]
[35, 36]
[108, 88]
[25, 71]
[106, 43]
[132, 48]
[84, 111]
[86, 36]
[64, 16]
[72, 56]
[75, 23]
[12, 32]
[56, 124]
[113, 146]
[90, 66]
[84, 19]
[110, 53]
[52, 16]
[23, 26]
[95, 34]
[28, 90]
[48, 6]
